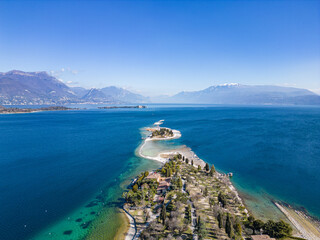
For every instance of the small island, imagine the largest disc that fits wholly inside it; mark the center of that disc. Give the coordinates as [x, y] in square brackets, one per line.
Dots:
[161, 133]
[114, 107]
[4, 110]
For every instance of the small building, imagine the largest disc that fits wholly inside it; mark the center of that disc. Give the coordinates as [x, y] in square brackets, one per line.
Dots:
[261, 237]
[155, 176]
[163, 186]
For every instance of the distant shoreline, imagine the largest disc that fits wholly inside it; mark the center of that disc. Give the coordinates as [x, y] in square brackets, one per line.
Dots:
[115, 107]
[4, 110]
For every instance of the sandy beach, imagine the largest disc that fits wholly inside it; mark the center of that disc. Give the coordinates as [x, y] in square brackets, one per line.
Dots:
[131, 232]
[161, 156]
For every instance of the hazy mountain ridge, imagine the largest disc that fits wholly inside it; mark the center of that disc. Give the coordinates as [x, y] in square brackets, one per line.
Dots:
[245, 94]
[21, 88]
[39, 88]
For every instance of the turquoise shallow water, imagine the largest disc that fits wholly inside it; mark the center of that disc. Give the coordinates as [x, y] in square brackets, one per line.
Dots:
[54, 165]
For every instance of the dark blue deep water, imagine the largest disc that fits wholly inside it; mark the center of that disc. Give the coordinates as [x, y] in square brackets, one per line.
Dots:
[53, 162]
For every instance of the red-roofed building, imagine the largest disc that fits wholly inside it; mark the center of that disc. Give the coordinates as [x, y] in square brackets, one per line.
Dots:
[163, 186]
[155, 176]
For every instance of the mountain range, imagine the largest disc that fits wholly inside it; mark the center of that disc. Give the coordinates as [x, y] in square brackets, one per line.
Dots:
[235, 93]
[40, 88]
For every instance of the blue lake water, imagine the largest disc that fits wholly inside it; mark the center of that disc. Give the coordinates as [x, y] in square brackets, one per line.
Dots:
[53, 163]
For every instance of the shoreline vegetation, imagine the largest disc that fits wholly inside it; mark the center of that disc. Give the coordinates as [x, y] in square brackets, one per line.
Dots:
[15, 110]
[4, 110]
[188, 199]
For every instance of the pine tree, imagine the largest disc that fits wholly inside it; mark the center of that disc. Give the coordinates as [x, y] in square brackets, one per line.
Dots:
[238, 228]
[179, 183]
[222, 199]
[229, 226]
[188, 213]
[220, 219]
[205, 192]
[192, 162]
[201, 228]
[206, 167]
[199, 223]
[163, 214]
[212, 171]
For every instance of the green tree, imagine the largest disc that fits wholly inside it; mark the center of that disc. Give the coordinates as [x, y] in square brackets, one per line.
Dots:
[277, 229]
[237, 227]
[211, 202]
[199, 168]
[187, 161]
[163, 214]
[201, 228]
[222, 199]
[249, 223]
[192, 162]
[171, 206]
[229, 226]
[220, 219]
[205, 192]
[168, 172]
[257, 225]
[179, 183]
[188, 214]
[212, 171]
[135, 187]
[206, 167]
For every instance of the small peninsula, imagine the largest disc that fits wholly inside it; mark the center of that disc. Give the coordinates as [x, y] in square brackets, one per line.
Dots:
[4, 110]
[115, 107]
[187, 198]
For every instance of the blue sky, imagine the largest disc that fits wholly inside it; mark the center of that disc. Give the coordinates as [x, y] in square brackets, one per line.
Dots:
[162, 47]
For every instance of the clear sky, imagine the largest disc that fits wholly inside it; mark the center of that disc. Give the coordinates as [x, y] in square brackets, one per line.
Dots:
[163, 47]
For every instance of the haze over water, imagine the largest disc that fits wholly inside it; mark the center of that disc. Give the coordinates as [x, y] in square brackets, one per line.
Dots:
[52, 164]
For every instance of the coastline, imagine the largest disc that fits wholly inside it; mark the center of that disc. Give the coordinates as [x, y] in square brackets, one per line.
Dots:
[302, 226]
[307, 227]
[4, 110]
[123, 231]
[159, 158]
[163, 157]
[131, 231]
[184, 151]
